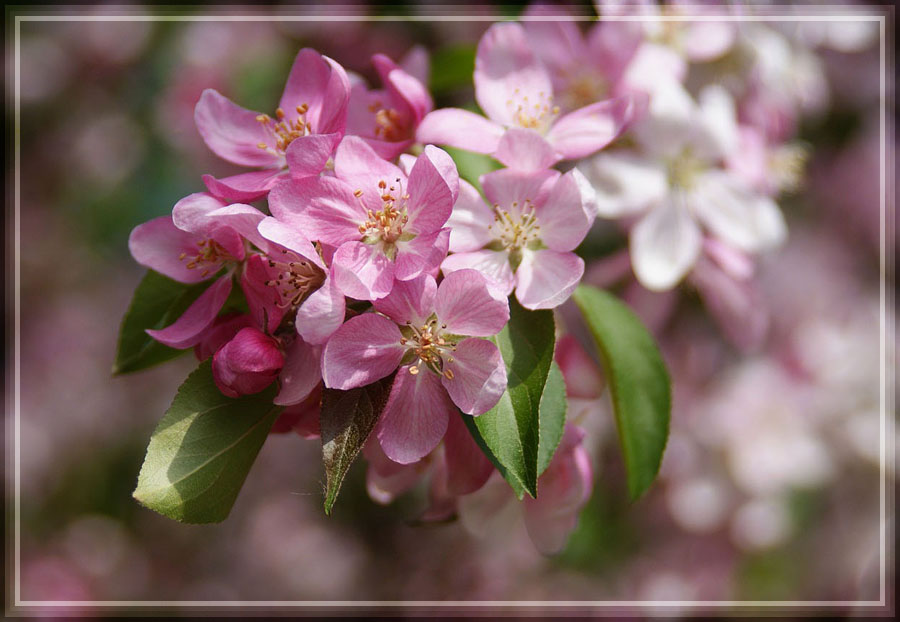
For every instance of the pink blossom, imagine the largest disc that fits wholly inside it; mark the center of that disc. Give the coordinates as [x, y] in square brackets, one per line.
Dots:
[309, 122]
[247, 364]
[383, 224]
[302, 418]
[432, 334]
[524, 128]
[387, 118]
[525, 241]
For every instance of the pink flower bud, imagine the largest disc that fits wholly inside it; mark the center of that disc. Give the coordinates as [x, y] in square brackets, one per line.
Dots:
[247, 364]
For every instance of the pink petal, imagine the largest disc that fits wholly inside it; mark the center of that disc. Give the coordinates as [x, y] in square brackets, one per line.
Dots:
[244, 187]
[240, 219]
[158, 244]
[308, 155]
[322, 85]
[232, 132]
[507, 69]
[417, 63]
[362, 271]
[301, 374]
[386, 149]
[188, 329]
[386, 479]
[461, 129]
[415, 417]
[546, 278]
[302, 418]
[705, 41]
[333, 117]
[364, 349]
[468, 306]
[580, 372]
[479, 376]
[324, 208]
[467, 467]
[362, 169]
[525, 150]
[321, 313]
[564, 218]
[589, 129]
[558, 44]
[289, 238]
[403, 88]
[221, 332]
[494, 265]
[433, 188]
[506, 186]
[421, 254]
[409, 301]
[247, 364]
[192, 213]
[263, 300]
[612, 45]
[469, 220]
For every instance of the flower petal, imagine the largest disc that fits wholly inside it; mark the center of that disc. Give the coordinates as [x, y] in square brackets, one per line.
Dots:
[322, 85]
[494, 265]
[362, 271]
[468, 306]
[301, 373]
[263, 300]
[324, 208]
[357, 165]
[433, 188]
[415, 417]
[525, 150]
[321, 313]
[469, 220]
[244, 187]
[364, 349]
[467, 467]
[308, 155]
[188, 329]
[565, 218]
[232, 132]
[478, 376]
[589, 129]
[289, 238]
[461, 129]
[421, 254]
[158, 244]
[417, 63]
[625, 183]
[507, 186]
[507, 69]
[546, 278]
[409, 301]
[665, 245]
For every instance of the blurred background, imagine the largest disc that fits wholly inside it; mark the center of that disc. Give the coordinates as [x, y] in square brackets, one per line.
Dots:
[770, 484]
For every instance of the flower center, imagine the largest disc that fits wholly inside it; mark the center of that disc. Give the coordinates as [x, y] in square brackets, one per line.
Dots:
[534, 115]
[386, 225]
[516, 227]
[296, 279]
[429, 346]
[210, 257]
[684, 169]
[389, 123]
[282, 130]
[788, 163]
[583, 87]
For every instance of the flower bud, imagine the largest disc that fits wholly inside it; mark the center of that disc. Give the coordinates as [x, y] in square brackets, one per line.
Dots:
[247, 364]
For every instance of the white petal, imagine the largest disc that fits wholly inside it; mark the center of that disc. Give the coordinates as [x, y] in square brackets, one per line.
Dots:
[625, 183]
[664, 246]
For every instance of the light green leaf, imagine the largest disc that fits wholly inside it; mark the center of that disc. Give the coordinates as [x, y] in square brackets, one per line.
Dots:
[472, 165]
[158, 301]
[201, 451]
[553, 417]
[347, 419]
[638, 382]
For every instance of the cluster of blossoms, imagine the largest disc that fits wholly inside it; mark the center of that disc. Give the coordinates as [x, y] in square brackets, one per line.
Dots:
[365, 254]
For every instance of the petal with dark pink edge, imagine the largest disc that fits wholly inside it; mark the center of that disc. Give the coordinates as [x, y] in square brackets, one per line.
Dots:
[506, 186]
[467, 467]
[244, 187]
[506, 70]
[492, 264]
[307, 155]
[263, 300]
[420, 254]
[589, 129]
[564, 218]
[478, 376]
[188, 329]
[409, 301]
[459, 128]
[233, 133]
[364, 349]
[324, 208]
[301, 373]
[321, 313]
[433, 188]
[290, 239]
[525, 150]
[158, 244]
[362, 271]
[468, 306]
[469, 220]
[415, 417]
[357, 165]
[333, 117]
[546, 278]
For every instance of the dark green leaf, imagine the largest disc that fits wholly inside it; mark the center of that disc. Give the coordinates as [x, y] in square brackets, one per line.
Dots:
[158, 301]
[347, 419]
[553, 417]
[512, 430]
[452, 69]
[638, 382]
[201, 451]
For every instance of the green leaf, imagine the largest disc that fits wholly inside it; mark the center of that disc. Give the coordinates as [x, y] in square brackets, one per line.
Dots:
[452, 68]
[472, 165]
[201, 451]
[638, 382]
[347, 419]
[553, 417]
[512, 431]
[158, 301]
